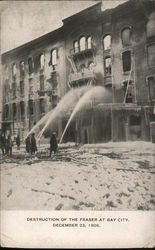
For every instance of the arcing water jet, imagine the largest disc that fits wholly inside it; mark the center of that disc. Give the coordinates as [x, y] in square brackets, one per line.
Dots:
[96, 93]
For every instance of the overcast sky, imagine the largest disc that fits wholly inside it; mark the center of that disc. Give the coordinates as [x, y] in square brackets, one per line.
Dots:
[23, 21]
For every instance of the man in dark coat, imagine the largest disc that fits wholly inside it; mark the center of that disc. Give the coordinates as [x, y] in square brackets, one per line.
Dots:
[18, 142]
[3, 143]
[27, 142]
[53, 144]
[9, 144]
[33, 144]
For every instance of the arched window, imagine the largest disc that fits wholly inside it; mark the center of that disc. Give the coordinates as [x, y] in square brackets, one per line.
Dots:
[126, 36]
[75, 46]
[89, 42]
[150, 26]
[82, 43]
[54, 57]
[42, 61]
[14, 69]
[30, 65]
[107, 42]
[21, 68]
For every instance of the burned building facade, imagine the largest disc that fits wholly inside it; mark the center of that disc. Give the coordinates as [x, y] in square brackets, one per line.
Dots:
[114, 49]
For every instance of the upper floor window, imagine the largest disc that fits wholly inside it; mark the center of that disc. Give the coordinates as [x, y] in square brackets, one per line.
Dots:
[75, 46]
[151, 55]
[126, 57]
[30, 65]
[42, 106]
[82, 43]
[126, 36]
[22, 87]
[14, 70]
[22, 109]
[31, 107]
[89, 42]
[150, 26]
[6, 111]
[21, 68]
[54, 57]
[151, 85]
[107, 66]
[107, 42]
[42, 61]
[14, 107]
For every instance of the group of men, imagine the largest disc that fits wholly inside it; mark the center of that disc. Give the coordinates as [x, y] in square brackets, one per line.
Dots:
[6, 144]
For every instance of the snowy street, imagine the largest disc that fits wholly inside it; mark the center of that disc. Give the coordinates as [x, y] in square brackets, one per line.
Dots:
[109, 176]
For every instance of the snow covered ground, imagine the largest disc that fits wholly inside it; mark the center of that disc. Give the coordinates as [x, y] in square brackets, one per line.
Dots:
[109, 176]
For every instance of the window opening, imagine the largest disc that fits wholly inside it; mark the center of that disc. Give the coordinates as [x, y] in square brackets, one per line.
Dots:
[42, 61]
[76, 46]
[126, 36]
[107, 66]
[126, 57]
[22, 109]
[42, 106]
[22, 87]
[129, 94]
[14, 110]
[22, 68]
[82, 43]
[151, 55]
[107, 42]
[89, 42]
[30, 65]
[31, 109]
[151, 85]
[150, 30]
[42, 83]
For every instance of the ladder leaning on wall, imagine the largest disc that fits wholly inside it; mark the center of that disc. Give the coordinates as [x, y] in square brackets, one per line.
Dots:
[128, 83]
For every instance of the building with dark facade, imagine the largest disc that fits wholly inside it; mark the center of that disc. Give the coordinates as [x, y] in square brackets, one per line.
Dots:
[114, 48]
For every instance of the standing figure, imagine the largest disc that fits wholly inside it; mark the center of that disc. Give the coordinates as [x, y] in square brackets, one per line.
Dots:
[28, 144]
[9, 144]
[53, 144]
[33, 144]
[18, 142]
[3, 144]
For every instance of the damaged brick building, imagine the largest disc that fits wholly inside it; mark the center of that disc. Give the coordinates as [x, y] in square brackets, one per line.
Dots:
[114, 48]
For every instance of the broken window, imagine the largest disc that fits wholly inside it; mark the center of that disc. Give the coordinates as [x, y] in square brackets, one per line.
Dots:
[135, 120]
[89, 42]
[42, 61]
[107, 66]
[30, 65]
[82, 43]
[151, 85]
[54, 100]
[126, 36]
[42, 82]
[151, 55]
[21, 68]
[14, 87]
[31, 108]
[126, 57]
[42, 106]
[22, 87]
[22, 109]
[76, 46]
[107, 42]
[150, 26]
[14, 110]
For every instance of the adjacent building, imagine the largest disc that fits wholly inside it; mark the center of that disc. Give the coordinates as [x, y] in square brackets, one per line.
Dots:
[114, 49]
